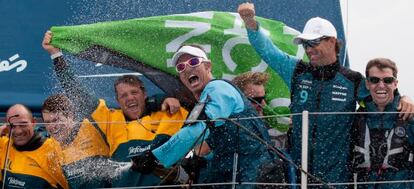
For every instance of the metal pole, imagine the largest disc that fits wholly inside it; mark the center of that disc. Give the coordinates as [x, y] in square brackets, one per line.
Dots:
[6, 160]
[355, 180]
[305, 127]
[235, 164]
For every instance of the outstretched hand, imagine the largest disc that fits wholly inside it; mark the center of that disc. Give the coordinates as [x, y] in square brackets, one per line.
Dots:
[46, 43]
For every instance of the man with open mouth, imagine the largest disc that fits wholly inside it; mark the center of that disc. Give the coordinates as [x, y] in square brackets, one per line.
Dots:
[383, 143]
[236, 153]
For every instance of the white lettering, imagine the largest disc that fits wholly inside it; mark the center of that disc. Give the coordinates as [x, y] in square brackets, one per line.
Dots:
[14, 181]
[75, 172]
[306, 81]
[339, 99]
[198, 29]
[338, 93]
[137, 149]
[20, 65]
[241, 38]
[340, 87]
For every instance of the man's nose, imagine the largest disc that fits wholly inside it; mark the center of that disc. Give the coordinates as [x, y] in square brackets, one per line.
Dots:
[381, 83]
[16, 130]
[130, 97]
[308, 50]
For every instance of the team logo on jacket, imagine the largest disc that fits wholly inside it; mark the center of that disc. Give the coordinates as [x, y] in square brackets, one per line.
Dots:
[339, 93]
[137, 149]
[400, 131]
[305, 85]
[16, 182]
[74, 172]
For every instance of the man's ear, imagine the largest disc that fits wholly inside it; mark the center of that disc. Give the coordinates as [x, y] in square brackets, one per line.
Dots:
[208, 65]
[34, 122]
[116, 96]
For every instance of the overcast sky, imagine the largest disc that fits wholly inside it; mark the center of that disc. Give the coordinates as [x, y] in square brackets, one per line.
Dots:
[381, 28]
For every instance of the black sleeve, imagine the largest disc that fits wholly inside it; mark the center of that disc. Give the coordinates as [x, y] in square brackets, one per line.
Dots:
[153, 103]
[85, 101]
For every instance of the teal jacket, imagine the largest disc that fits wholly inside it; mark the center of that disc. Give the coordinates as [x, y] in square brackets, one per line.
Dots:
[331, 88]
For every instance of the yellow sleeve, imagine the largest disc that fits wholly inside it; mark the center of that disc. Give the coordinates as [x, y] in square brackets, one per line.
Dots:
[170, 124]
[102, 116]
[112, 124]
[3, 149]
[55, 162]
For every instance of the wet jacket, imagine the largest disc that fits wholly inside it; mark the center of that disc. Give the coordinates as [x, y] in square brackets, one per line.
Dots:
[35, 165]
[134, 137]
[228, 139]
[222, 100]
[85, 156]
[383, 145]
[123, 138]
[330, 88]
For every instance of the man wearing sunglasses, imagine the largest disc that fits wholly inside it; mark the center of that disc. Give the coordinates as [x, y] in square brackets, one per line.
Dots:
[229, 143]
[252, 85]
[323, 85]
[383, 144]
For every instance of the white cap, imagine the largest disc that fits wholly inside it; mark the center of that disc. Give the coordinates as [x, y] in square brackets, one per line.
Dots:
[315, 28]
[189, 50]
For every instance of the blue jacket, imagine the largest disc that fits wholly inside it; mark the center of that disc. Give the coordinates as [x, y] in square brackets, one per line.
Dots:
[224, 138]
[330, 88]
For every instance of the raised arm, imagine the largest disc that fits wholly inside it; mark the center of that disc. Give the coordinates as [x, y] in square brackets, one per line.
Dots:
[86, 102]
[278, 60]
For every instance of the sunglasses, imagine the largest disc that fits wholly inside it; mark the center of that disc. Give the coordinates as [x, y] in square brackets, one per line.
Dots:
[193, 62]
[312, 43]
[386, 80]
[257, 99]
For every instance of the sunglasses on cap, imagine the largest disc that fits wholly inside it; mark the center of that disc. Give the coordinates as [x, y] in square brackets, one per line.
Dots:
[193, 62]
[386, 80]
[257, 99]
[312, 43]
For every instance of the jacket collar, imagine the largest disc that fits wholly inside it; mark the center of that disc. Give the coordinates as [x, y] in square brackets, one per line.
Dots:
[326, 72]
[34, 143]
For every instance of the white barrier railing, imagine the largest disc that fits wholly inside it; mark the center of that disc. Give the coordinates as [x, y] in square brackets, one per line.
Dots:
[305, 126]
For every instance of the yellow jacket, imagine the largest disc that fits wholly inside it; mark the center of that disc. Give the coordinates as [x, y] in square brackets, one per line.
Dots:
[39, 168]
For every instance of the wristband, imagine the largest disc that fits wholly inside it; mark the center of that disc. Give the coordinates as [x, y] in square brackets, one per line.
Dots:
[55, 55]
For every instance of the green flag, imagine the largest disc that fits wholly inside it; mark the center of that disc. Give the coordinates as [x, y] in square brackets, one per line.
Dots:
[152, 41]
